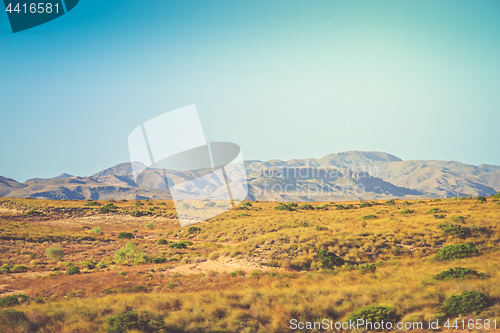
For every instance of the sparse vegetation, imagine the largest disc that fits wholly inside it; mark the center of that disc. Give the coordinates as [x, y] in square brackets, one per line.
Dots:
[54, 253]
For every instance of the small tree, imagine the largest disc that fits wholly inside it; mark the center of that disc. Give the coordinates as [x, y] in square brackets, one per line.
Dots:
[72, 270]
[125, 235]
[54, 253]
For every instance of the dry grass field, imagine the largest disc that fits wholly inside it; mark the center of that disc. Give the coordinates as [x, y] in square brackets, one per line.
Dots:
[127, 266]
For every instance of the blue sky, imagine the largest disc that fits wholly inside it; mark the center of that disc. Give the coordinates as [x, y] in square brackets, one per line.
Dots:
[283, 79]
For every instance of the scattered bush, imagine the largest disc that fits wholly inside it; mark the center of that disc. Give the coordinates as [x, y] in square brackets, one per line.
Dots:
[125, 235]
[456, 251]
[365, 204]
[136, 213]
[407, 211]
[150, 226]
[458, 219]
[459, 273]
[130, 254]
[391, 202]
[329, 259]
[161, 241]
[72, 270]
[368, 217]
[284, 207]
[367, 268]
[434, 211]
[159, 260]
[469, 302]
[193, 230]
[439, 216]
[374, 313]
[54, 253]
[180, 245]
[92, 203]
[96, 230]
[130, 320]
[122, 273]
[33, 213]
[210, 204]
[451, 229]
[306, 207]
[13, 300]
[481, 198]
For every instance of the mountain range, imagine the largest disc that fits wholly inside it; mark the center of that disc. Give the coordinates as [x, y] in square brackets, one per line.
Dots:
[351, 175]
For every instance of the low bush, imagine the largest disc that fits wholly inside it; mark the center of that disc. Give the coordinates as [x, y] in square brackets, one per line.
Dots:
[54, 253]
[159, 260]
[128, 321]
[180, 245]
[161, 241]
[193, 230]
[407, 211]
[365, 204]
[92, 203]
[434, 211]
[125, 235]
[136, 213]
[72, 270]
[284, 207]
[329, 259]
[13, 300]
[456, 251]
[209, 204]
[459, 273]
[460, 219]
[368, 217]
[454, 230]
[469, 302]
[96, 230]
[130, 254]
[481, 198]
[32, 213]
[375, 313]
[150, 226]
[305, 206]
[391, 202]
[439, 216]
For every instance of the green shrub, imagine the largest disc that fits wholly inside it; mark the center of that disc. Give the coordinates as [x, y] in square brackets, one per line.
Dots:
[497, 196]
[407, 211]
[469, 302]
[125, 235]
[136, 213]
[365, 204]
[54, 253]
[96, 230]
[329, 259]
[150, 226]
[458, 273]
[306, 207]
[210, 204]
[481, 198]
[55, 269]
[455, 230]
[243, 214]
[375, 313]
[246, 204]
[339, 207]
[406, 203]
[122, 273]
[161, 241]
[456, 251]
[159, 260]
[72, 270]
[193, 230]
[130, 254]
[458, 219]
[434, 211]
[15, 321]
[180, 245]
[368, 217]
[391, 202]
[439, 216]
[367, 268]
[33, 213]
[284, 207]
[13, 300]
[92, 203]
[130, 320]
[19, 268]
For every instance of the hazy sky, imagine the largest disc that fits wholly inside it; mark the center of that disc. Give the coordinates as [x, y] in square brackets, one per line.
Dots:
[283, 79]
